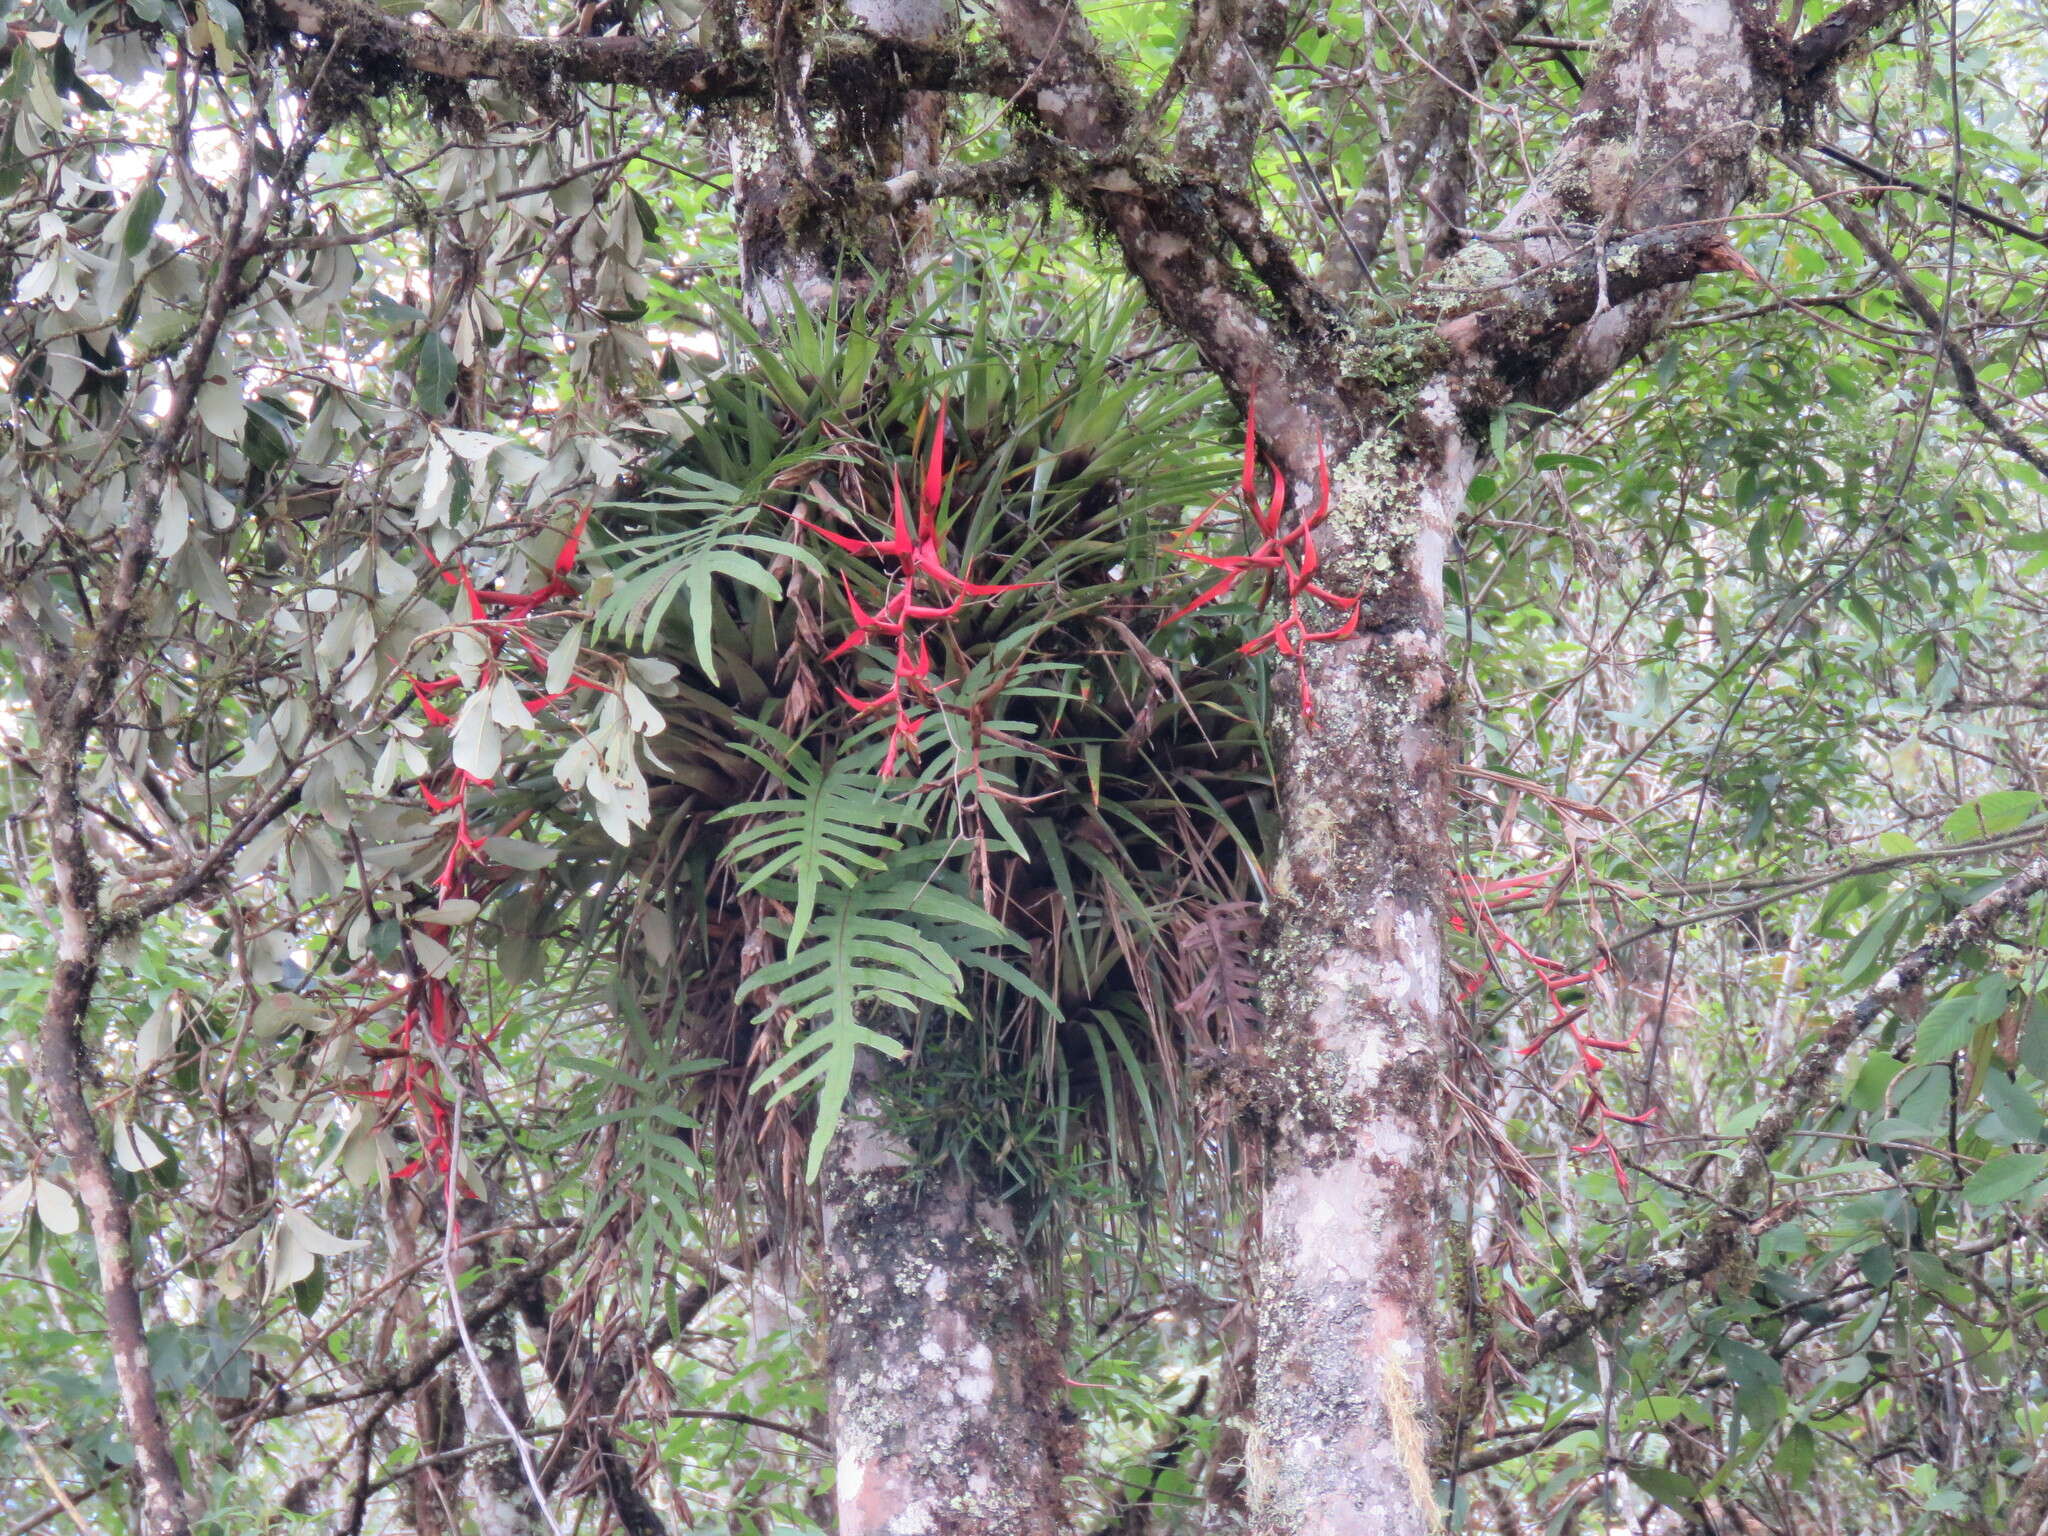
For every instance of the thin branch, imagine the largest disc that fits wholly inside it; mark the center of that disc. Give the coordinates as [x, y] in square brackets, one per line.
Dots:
[1635, 1284]
[1960, 365]
[403, 1378]
[1891, 181]
[1468, 52]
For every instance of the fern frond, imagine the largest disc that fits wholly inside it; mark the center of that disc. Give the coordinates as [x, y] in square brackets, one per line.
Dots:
[832, 827]
[893, 942]
[653, 570]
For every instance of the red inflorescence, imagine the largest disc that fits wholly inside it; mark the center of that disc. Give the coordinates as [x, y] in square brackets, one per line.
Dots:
[1484, 898]
[431, 1028]
[919, 555]
[1289, 557]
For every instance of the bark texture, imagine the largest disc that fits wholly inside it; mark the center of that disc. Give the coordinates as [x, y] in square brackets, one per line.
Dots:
[944, 1390]
[1358, 1025]
[502, 1499]
[1582, 276]
[60, 1065]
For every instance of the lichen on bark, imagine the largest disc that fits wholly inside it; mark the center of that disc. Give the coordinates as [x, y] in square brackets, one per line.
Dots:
[945, 1390]
[1346, 1276]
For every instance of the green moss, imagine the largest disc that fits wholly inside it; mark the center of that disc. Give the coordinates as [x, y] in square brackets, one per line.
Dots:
[1478, 276]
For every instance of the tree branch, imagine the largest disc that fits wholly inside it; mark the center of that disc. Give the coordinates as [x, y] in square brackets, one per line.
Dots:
[1228, 64]
[1518, 330]
[1960, 365]
[1176, 239]
[1635, 1284]
[379, 43]
[1891, 181]
[69, 703]
[402, 1378]
[1816, 51]
[590, 1387]
[1469, 50]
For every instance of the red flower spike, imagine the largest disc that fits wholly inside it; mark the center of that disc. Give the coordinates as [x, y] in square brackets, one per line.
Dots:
[853, 546]
[1483, 899]
[1291, 553]
[934, 479]
[432, 1004]
[918, 554]
[1204, 598]
[861, 708]
[565, 561]
[930, 615]
[1276, 509]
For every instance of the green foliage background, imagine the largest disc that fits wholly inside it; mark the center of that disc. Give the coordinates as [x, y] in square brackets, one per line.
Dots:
[1751, 658]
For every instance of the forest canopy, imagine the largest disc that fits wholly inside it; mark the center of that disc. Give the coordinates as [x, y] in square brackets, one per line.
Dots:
[1032, 767]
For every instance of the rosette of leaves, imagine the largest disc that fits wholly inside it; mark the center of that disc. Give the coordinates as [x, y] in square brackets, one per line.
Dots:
[1052, 908]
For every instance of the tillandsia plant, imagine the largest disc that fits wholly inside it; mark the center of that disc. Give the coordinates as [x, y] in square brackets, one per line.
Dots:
[1564, 989]
[432, 1032]
[959, 772]
[1284, 555]
[901, 619]
[1558, 503]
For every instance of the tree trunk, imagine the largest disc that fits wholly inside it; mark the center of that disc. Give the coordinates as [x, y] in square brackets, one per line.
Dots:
[60, 1068]
[492, 1405]
[945, 1392]
[1357, 1028]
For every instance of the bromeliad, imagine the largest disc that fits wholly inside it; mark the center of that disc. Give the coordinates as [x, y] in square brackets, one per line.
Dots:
[431, 1029]
[1290, 556]
[920, 556]
[1484, 899]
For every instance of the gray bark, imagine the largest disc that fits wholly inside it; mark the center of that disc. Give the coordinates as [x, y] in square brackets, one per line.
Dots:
[944, 1389]
[1357, 1027]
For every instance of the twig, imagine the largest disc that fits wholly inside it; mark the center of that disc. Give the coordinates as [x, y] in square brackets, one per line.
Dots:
[1635, 1284]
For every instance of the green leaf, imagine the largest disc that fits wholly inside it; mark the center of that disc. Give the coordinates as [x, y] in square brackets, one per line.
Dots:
[831, 828]
[228, 17]
[658, 568]
[1873, 946]
[893, 942]
[1990, 815]
[1946, 1028]
[1673, 1489]
[2015, 1110]
[2004, 1178]
[434, 375]
[1872, 1079]
[142, 214]
[1795, 1457]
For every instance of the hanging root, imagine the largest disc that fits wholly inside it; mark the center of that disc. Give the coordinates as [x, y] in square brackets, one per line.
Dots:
[1408, 1441]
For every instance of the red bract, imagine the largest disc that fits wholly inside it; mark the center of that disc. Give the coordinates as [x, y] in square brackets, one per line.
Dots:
[411, 1069]
[1290, 556]
[1484, 898]
[919, 556]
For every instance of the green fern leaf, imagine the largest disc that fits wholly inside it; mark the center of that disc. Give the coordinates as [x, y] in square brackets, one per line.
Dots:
[896, 941]
[652, 571]
[832, 827]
